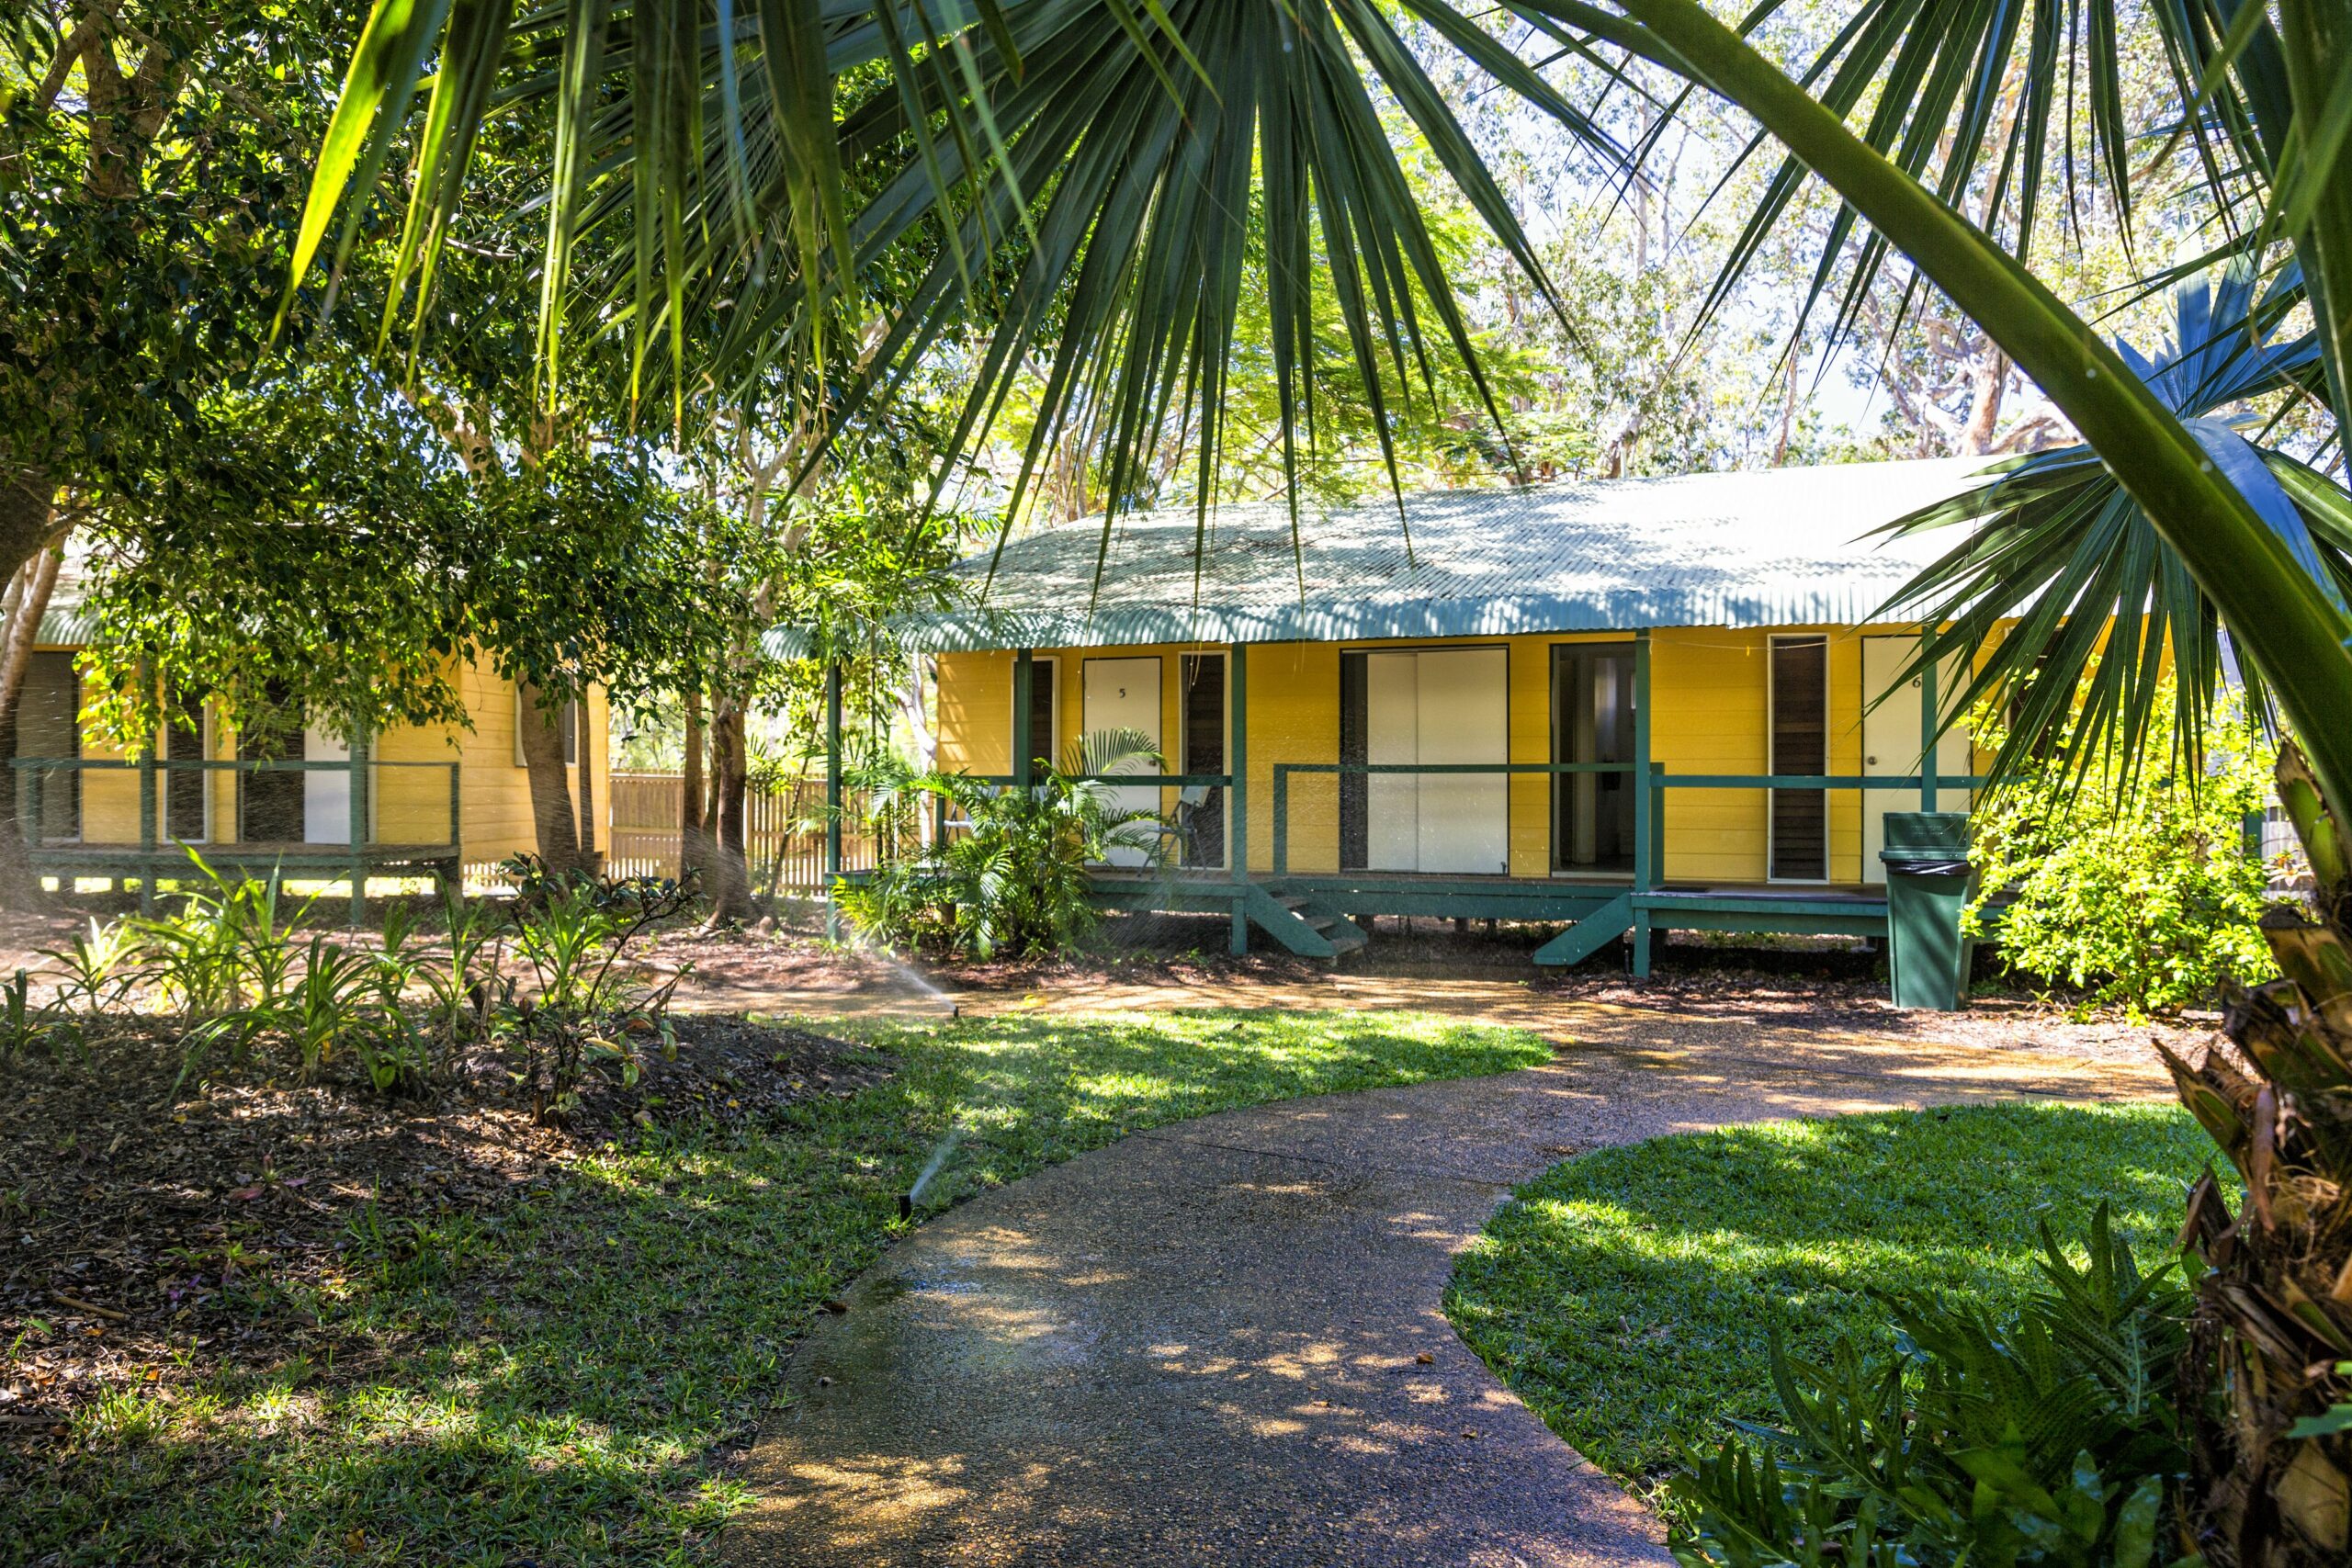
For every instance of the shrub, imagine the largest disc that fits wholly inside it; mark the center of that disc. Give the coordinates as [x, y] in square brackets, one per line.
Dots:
[2046, 1435]
[587, 1004]
[2130, 877]
[1014, 878]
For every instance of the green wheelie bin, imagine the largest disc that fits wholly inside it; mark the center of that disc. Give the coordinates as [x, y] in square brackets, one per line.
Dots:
[1926, 887]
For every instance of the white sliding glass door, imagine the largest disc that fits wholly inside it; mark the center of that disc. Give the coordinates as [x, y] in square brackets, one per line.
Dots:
[1437, 707]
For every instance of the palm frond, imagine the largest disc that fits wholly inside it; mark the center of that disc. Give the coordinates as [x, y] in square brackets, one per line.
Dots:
[1085, 182]
[2065, 600]
[1110, 752]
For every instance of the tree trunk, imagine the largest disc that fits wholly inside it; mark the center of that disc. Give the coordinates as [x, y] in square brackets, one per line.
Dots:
[731, 869]
[2271, 1338]
[592, 859]
[25, 518]
[693, 821]
[1992, 380]
[552, 821]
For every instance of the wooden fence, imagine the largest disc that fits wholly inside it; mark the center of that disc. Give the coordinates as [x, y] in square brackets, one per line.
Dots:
[783, 837]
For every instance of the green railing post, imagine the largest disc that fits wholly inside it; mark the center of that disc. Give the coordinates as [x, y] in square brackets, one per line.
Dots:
[1928, 788]
[1649, 868]
[1646, 798]
[1236, 794]
[147, 853]
[1282, 819]
[456, 836]
[1648, 848]
[357, 763]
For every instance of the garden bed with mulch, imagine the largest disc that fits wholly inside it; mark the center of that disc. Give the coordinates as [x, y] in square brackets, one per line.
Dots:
[179, 1235]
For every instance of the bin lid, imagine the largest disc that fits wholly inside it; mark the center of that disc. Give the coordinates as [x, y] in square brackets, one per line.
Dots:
[1944, 832]
[1924, 862]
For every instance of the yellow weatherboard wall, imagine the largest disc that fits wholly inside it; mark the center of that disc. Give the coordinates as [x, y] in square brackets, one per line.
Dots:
[1709, 714]
[494, 803]
[408, 804]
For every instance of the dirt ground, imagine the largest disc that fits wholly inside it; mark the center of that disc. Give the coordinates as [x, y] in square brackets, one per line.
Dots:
[150, 1223]
[130, 1214]
[1832, 983]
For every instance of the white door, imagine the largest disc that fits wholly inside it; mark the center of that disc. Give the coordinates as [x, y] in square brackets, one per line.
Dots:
[1464, 717]
[1891, 742]
[326, 795]
[1437, 705]
[1123, 694]
[1392, 734]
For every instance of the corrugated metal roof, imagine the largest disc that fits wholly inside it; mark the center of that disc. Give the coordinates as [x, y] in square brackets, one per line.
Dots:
[1780, 547]
[65, 628]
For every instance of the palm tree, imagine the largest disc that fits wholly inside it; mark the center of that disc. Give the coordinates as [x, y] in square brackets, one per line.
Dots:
[2272, 1343]
[2060, 569]
[1092, 176]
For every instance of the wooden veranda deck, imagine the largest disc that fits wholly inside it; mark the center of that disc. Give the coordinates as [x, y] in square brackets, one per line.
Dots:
[397, 820]
[1312, 914]
[1309, 912]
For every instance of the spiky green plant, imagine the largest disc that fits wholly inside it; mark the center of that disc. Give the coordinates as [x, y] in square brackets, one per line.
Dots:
[2047, 1438]
[1016, 873]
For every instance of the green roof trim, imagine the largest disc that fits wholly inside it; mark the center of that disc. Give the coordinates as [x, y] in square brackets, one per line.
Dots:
[1780, 547]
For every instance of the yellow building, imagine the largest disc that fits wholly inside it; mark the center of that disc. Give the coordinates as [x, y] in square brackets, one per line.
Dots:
[1580, 702]
[307, 804]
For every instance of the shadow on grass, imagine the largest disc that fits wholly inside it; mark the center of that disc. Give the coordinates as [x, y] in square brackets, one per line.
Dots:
[1629, 1296]
[562, 1381]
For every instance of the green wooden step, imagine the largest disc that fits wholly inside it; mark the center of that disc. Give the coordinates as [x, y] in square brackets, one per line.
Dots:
[1591, 934]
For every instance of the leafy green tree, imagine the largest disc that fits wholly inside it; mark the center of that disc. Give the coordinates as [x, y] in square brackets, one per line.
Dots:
[840, 553]
[1104, 166]
[309, 540]
[297, 559]
[325, 554]
[148, 150]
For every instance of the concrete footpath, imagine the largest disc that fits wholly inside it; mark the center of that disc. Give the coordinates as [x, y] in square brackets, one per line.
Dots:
[1222, 1342]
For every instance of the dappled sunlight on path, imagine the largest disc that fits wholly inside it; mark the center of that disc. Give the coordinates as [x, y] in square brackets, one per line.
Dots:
[1222, 1341]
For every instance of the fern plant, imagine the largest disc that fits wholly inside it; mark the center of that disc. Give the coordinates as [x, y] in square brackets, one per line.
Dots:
[2045, 1437]
[1015, 875]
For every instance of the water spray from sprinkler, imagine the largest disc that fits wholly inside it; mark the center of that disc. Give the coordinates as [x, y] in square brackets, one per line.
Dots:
[939, 1153]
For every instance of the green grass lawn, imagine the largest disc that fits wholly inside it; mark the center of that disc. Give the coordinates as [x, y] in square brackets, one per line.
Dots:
[560, 1381]
[1628, 1296]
